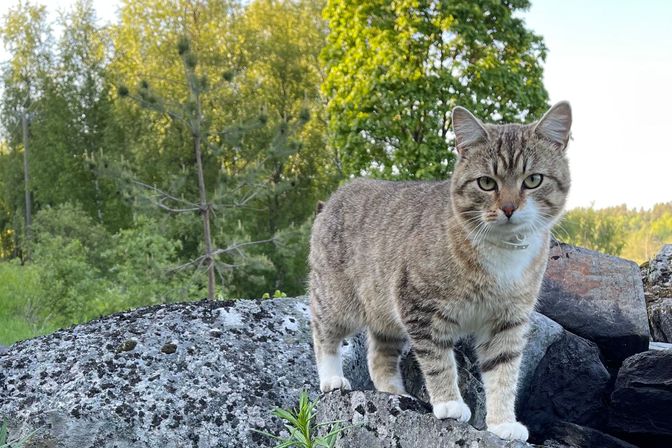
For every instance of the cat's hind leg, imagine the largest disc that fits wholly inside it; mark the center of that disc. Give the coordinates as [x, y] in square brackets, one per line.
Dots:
[327, 340]
[330, 327]
[384, 354]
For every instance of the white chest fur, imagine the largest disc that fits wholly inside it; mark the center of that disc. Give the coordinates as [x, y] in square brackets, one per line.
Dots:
[508, 266]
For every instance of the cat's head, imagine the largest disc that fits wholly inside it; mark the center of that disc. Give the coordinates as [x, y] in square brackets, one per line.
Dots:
[510, 180]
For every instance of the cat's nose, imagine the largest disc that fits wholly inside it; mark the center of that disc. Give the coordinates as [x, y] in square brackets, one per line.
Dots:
[508, 210]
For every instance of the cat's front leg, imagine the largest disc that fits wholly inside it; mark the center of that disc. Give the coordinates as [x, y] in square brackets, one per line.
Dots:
[499, 354]
[434, 352]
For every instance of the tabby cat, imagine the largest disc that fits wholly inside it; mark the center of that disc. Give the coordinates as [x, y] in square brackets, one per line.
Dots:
[432, 262]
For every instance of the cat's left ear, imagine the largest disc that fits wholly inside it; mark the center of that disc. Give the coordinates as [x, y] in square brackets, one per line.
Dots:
[555, 125]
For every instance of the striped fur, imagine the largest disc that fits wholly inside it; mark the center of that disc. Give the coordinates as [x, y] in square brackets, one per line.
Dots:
[423, 263]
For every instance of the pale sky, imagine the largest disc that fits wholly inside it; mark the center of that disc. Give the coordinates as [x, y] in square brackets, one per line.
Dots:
[612, 59]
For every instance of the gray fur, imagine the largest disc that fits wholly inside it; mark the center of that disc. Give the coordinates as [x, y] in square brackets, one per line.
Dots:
[432, 262]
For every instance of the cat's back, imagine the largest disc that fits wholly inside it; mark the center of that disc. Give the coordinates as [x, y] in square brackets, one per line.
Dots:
[367, 214]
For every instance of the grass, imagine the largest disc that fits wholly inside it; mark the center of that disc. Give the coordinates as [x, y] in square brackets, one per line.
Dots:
[302, 429]
[5, 442]
[20, 293]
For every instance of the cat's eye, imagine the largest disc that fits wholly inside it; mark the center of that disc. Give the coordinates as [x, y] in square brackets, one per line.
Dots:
[533, 181]
[486, 183]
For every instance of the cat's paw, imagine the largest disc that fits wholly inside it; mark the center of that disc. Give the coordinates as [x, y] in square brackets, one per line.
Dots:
[452, 409]
[333, 383]
[510, 431]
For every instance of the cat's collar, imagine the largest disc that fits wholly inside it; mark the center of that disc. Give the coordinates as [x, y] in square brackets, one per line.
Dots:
[516, 242]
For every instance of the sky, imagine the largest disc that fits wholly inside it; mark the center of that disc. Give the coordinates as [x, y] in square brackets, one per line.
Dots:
[612, 60]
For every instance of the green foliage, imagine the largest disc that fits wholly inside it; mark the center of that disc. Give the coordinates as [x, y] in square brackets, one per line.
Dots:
[634, 234]
[395, 70]
[595, 230]
[303, 431]
[21, 295]
[143, 264]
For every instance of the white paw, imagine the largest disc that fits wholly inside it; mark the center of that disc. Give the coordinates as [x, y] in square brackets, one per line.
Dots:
[452, 409]
[510, 431]
[333, 383]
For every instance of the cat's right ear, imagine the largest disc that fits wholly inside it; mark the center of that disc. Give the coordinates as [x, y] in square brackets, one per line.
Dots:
[468, 129]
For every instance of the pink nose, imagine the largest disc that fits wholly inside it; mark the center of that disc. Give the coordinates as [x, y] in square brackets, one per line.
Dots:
[508, 210]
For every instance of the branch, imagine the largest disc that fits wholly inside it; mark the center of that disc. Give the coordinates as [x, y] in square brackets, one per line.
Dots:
[236, 247]
[163, 193]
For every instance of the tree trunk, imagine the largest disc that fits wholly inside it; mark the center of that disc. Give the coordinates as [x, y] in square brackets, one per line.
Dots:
[203, 201]
[26, 181]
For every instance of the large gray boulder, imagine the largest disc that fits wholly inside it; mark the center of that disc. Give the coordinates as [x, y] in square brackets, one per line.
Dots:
[187, 375]
[657, 278]
[597, 297]
[390, 421]
[191, 375]
[570, 384]
[641, 402]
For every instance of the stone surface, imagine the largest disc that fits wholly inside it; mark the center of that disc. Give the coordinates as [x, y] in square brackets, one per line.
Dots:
[658, 272]
[641, 402]
[657, 278]
[390, 421]
[660, 319]
[185, 375]
[562, 434]
[570, 384]
[598, 297]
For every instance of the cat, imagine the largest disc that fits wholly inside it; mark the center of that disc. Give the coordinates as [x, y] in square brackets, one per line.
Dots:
[432, 262]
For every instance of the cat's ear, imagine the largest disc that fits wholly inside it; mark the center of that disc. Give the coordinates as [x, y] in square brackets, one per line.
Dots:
[468, 129]
[555, 125]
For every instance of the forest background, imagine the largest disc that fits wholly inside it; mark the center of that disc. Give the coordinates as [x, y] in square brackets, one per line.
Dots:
[179, 152]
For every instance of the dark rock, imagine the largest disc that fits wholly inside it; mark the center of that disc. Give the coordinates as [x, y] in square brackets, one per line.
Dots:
[597, 297]
[657, 273]
[657, 278]
[570, 384]
[88, 386]
[660, 319]
[642, 398]
[575, 436]
[391, 421]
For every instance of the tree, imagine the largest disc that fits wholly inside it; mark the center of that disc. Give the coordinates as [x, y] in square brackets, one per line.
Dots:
[195, 117]
[397, 69]
[26, 35]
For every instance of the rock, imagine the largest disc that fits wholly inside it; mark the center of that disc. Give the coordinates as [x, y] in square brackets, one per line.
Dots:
[186, 375]
[597, 297]
[391, 421]
[544, 332]
[562, 434]
[658, 272]
[569, 384]
[642, 398]
[660, 319]
[657, 278]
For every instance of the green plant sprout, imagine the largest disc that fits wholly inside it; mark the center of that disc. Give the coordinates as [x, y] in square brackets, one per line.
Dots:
[303, 431]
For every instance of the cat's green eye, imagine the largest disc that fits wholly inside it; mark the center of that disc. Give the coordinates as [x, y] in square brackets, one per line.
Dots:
[486, 183]
[533, 181]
